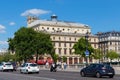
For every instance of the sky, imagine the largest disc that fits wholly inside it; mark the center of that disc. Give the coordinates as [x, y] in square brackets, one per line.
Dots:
[100, 15]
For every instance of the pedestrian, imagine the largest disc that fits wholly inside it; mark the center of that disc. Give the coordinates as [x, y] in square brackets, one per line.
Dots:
[62, 66]
[65, 65]
[47, 64]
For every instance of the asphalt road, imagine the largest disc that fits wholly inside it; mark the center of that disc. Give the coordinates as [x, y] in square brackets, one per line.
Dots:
[47, 75]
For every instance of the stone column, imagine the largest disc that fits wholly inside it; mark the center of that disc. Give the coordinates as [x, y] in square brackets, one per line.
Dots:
[68, 62]
[78, 60]
[72, 60]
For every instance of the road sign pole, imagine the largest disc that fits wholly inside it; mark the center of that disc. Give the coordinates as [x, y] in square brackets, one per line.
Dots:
[86, 55]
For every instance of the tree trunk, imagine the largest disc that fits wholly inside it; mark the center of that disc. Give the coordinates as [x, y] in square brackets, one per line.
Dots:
[25, 60]
[36, 56]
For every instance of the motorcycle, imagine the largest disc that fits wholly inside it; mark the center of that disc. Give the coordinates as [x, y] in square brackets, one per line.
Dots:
[53, 68]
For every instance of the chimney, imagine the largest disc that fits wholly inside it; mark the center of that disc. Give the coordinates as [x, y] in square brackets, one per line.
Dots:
[30, 19]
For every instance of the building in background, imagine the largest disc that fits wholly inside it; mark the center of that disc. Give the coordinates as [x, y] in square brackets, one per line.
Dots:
[109, 41]
[3, 51]
[64, 35]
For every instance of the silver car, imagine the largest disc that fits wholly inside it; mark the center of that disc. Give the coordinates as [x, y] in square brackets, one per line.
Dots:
[29, 68]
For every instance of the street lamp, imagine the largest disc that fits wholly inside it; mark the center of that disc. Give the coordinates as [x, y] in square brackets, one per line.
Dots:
[86, 52]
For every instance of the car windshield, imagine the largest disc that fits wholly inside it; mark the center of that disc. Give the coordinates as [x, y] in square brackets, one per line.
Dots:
[8, 64]
[33, 65]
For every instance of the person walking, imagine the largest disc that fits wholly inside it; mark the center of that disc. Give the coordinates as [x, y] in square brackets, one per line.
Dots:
[65, 65]
[62, 66]
[47, 64]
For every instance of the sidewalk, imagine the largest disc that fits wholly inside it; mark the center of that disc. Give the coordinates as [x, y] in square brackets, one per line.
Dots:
[117, 70]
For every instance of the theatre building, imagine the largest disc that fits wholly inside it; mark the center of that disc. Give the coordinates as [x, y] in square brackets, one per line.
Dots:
[64, 35]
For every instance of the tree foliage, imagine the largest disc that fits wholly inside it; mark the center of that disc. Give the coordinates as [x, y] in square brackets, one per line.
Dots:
[64, 58]
[7, 57]
[42, 44]
[55, 57]
[27, 42]
[97, 54]
[112, 55]
[21, 43]
[80, 47]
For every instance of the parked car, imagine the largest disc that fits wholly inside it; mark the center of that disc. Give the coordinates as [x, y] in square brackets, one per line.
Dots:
[6, 66]
[29, 68]
[98, 70]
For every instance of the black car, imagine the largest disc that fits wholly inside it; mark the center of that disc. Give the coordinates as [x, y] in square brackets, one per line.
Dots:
[98, 70]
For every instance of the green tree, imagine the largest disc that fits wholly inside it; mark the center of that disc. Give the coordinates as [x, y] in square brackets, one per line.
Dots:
[80, 47]
[6, 57]
[22, 43]
[1, 58]
[11, 45]
[64, 58]
[97, 54]
[42, 44]
[55, 57]
[112, 55]
[27, 42]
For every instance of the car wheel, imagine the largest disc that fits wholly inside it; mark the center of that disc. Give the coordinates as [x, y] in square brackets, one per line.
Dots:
[98, 75]
[82, 74]
[21, 72]
[2, 70]
[11, 70]
[111, 76]
[37, 72]
[27, 72]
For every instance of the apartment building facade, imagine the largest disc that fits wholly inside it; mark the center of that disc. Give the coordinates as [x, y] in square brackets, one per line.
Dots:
[109, 41]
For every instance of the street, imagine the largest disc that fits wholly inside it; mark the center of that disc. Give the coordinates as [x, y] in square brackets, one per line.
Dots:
[47, 75]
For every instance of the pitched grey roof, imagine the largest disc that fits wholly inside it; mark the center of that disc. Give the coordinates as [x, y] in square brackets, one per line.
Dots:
[57, 23]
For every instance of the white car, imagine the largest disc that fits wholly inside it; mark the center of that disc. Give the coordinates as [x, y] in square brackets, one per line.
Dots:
[6, 66]
[29, 68]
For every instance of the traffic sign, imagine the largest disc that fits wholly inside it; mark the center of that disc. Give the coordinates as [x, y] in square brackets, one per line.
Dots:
[87, 53]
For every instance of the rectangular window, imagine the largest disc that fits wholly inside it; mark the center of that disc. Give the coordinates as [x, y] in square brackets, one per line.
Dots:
[59, 50]
[53, 43]
[70, 51]
[110, 43]
[64, 44]
[75, 39]
[65, 51]
[59, 44]
[70, 45]
[94, 40]
[53, 38]
[95, 45]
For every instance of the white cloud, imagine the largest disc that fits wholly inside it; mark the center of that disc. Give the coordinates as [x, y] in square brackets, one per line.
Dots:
[12, 23]
[2, 29]
[3, 42]
[35, 12]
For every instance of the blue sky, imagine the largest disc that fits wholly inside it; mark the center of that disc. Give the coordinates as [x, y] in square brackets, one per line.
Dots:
[100, 15]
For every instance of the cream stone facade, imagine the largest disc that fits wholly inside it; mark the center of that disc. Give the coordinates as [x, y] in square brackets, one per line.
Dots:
[64, 35]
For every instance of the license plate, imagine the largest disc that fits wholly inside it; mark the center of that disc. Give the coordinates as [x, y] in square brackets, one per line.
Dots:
[109, 73]
[34, 70]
